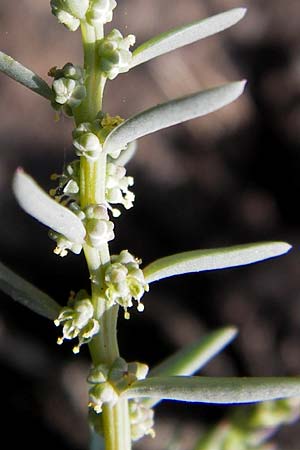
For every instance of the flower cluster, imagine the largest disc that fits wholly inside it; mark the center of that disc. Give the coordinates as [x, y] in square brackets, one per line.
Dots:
[117, 187]
[141, 419]
[124, 282]
[89, 136]
[68, 87]
[78, 321]
[108, 383]
[114, 53]
[71, 12]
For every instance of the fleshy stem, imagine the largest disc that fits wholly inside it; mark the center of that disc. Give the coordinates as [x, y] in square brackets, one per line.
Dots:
[104, 347]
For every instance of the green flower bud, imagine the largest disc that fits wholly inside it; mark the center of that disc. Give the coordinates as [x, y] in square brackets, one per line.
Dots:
[67, 20]
[63, 89]
[71, 71]
[68, 87]
[114, 53]
[100, 12]
[70, 12]
[98, 374]
[78, 94]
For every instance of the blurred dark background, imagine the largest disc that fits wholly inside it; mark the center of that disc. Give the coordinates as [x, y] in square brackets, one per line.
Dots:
[229, 178]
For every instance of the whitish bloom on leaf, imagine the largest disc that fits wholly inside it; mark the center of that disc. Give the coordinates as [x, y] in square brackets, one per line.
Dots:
[109, 382]
[100, 12]
[117, 187]
[124, 282]
[141, 420]
[70, 12]
[114, 53]
[98, 226]
[78, 321]
[68, 87]
[86, 141]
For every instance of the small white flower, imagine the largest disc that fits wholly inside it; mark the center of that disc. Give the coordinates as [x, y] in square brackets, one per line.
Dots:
[117, 186]
[63, 245]
[78, 321]
[124, 282]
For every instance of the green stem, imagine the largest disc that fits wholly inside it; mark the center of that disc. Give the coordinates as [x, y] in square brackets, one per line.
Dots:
[104, 347]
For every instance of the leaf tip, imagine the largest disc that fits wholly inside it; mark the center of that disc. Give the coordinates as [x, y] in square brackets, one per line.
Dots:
[240, 86]
[282, 247]
[19, 173]
[232, 331]
[241, 12]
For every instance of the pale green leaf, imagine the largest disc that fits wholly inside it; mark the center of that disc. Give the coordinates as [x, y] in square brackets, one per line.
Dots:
[43, 208]
[25, 76]
[172, 113]
[24, 292]
[217, 390]
[213, 259]
[186, 34]
[192, 358]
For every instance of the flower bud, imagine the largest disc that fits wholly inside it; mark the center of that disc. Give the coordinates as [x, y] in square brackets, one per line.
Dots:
[88, 145]
[114, 53]
[100, 12]
[68, 87]
[99, 232]
[70, 12]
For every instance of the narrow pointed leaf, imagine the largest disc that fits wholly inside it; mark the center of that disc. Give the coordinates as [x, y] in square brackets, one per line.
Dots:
[213, 259]
[43, 208]
[24, 292]
[186, 34]
[25, 76]
[217, 390]
[192, 358]
[172, 113]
